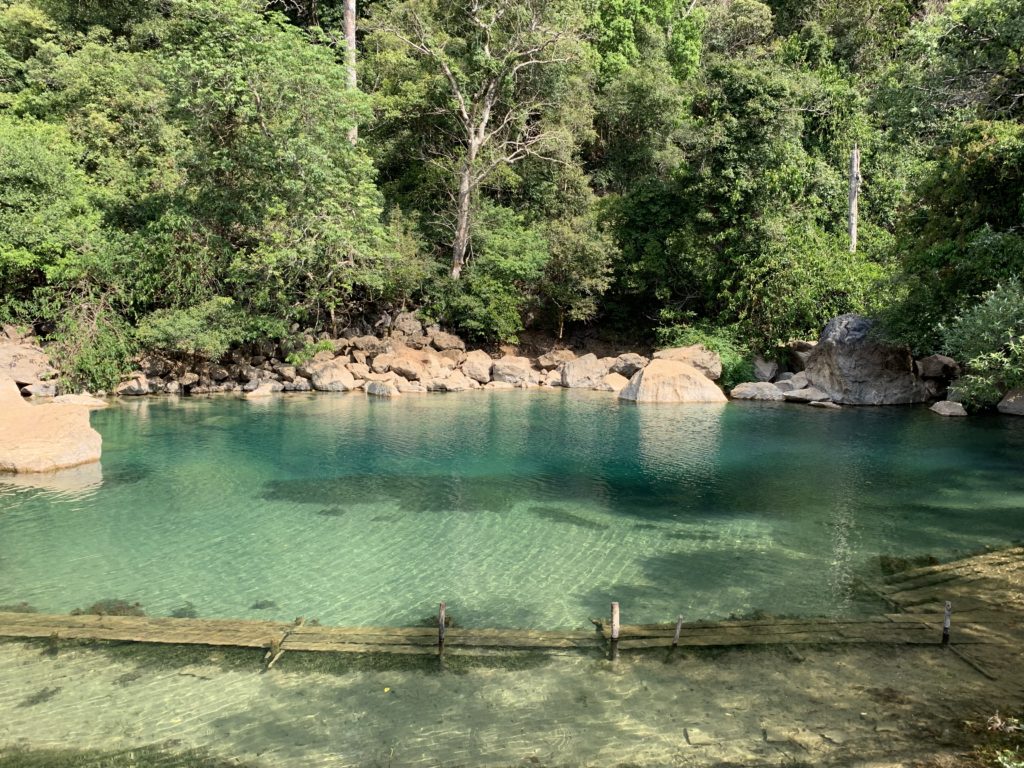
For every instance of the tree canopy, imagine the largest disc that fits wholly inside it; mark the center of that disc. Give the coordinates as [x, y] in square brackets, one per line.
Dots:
[660, 168]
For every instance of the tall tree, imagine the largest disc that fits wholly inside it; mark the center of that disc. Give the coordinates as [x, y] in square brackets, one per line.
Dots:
[506, 68]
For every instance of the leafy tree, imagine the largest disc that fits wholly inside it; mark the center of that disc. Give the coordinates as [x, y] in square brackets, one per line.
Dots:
[46, 214]
[578, 270]
[500, 77]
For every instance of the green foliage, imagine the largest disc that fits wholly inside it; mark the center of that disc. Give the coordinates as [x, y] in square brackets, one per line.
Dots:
[578, 270]
[500, 284]
[205, 330]
[91, 345]
[737, 359]
[308, 351]
[989, 337]
[45, 211]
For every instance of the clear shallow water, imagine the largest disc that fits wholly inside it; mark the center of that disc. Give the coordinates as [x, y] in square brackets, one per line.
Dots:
[530, 509]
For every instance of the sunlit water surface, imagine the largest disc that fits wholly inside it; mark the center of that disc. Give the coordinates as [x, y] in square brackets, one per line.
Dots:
[520, 509]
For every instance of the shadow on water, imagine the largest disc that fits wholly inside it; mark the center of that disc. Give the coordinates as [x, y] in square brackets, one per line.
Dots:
[635, 496]
[559, 515]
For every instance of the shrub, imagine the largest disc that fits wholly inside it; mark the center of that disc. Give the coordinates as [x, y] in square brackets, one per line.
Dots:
[989, 337]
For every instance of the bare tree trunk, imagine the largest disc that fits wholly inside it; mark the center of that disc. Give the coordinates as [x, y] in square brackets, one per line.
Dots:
[855, 180]
[350, 57]
[463, 206]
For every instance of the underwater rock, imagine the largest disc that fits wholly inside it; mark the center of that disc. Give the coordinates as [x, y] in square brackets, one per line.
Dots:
[111, 607]
[263, 605]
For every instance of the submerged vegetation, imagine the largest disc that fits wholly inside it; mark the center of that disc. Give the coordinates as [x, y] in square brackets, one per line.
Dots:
[180, 175]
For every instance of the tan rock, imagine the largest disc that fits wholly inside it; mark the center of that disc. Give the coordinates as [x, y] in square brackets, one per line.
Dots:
[671, 381]
[477, 366]
[585, 372]
[83, 400]
[43, 438]
[136, 386]
[612, 382]
[555, 358]
[331, 376]
[265, 389]
[948, 408]
[757, 390]
[499, 385]
[699, 356]
[629, 363]
[24, 363]
[516, 371]
[382, 389]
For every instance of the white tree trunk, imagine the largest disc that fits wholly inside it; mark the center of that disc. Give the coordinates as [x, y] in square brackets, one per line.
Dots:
[350, 57]
[855, 181]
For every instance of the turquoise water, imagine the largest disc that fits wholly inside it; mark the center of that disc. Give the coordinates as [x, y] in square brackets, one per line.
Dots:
[521, 509]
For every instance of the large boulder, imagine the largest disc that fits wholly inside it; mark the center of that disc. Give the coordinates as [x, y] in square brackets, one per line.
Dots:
[407, 323]
[584, 372]
[799, 351]
[457, 381]
[331, 376]
[24, 363]
[136, 386]
[442, 341]
[854, 368]
[613, 382]
[44, 438]
[477, 366]
[414, 364]
[937, 367]
[699, 356]
[382, 389]
[1013, 403]
[516, 371]
[628, 364]
[757, 390]
[555, 358]
[765, 370]
[671, 381]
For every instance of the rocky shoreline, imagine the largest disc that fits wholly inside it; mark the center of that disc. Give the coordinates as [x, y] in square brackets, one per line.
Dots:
[846, 366]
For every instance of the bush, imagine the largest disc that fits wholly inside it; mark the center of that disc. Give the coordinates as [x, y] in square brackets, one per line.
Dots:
[91, 345]
[989, 337]
[205, 330]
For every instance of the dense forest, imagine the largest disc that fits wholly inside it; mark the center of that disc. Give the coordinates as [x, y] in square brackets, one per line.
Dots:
[191, 174]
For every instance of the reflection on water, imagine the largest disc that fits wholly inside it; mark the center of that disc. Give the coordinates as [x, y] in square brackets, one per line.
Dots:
[75, 483]
[517, 508]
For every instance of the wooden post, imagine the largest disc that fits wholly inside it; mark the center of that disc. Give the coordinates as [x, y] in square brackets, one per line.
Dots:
[440, 628]
[349, 23]
[946, 621]
[615, 632]
[679, 629]
[855, 181]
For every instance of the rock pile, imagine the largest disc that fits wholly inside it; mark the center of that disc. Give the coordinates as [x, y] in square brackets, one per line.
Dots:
[413, 359]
